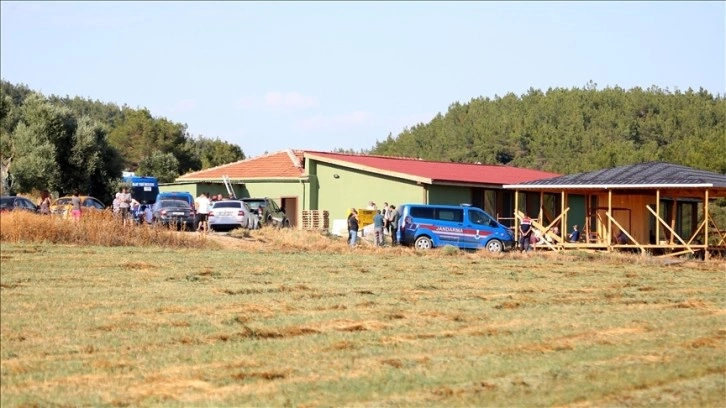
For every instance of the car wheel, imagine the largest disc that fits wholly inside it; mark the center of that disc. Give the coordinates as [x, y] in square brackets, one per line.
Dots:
[286, 223]
[424, 243]
[495, 246]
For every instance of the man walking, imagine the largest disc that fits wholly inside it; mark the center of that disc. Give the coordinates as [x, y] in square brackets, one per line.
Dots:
[202, 206]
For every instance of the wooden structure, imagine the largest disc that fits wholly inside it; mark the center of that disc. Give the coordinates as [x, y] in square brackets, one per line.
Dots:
[656, 208]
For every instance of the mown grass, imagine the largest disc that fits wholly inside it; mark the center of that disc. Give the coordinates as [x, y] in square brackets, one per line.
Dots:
[287, 318]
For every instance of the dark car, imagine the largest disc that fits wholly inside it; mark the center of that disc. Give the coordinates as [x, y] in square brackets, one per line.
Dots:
[12, 203]
[268, 212]
[184, 196]
[175, 213]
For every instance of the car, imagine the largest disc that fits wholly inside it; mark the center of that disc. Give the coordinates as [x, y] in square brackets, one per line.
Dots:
[268, 212]
[426, 226]
[12, 203]
[173, 213]
[62, 206]
[230, 214]
[184, 196]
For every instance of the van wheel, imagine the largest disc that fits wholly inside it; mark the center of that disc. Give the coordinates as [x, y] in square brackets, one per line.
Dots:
[495, 246]
[424, 243]
[286, 223]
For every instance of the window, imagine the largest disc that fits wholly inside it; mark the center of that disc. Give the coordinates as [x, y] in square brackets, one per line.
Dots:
[227, 204]
[478, 217]
[422, 212]
[453, 215]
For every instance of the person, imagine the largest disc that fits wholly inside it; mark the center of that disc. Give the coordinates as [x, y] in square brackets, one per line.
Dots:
[219, 197]
[201, 204]
[621, 238]
[115, 205]
[378, 225]
[525, 231]
[371, 206]
[44, 204]
[76, 206]
[148, 214]
[575, 235]
[393, 217]
[353, 227]
[124, 204]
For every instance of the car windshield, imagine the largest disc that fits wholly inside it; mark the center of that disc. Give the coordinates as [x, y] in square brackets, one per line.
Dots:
[174, 197]
[6, 201]
[173, 203]
[255, 204]
[227, 204]
[63, 201]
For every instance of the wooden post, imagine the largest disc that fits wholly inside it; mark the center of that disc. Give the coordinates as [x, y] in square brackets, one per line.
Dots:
[657, 215]
[706, 219]
[674, 213]
[563, 227]
[516, 219]
[610, 221]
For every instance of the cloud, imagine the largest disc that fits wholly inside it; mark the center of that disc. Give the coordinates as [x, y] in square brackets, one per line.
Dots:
[333, 122]
[290, 100]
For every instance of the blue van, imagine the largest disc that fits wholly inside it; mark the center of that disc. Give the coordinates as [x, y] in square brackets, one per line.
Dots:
[463, 226]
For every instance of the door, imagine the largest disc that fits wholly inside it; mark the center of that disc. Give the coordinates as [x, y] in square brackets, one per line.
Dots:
[289, 204]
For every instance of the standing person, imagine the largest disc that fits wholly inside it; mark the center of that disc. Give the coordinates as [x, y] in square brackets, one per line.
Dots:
[44, 203]
[386, 213]
[378, 224]
[525, 231]
[393, 218]
[202, 206]
[353, 227]
[124, 204]
[76, 206]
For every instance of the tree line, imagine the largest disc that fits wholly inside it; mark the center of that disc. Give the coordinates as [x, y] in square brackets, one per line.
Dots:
[574, 130]
[61, 144]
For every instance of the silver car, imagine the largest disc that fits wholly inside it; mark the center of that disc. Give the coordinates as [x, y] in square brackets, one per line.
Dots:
[230, 214]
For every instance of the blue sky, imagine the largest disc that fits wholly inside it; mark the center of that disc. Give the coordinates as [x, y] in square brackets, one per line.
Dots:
[324, 75]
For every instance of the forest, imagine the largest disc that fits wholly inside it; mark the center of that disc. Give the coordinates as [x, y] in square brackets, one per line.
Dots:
[574, 130]
[61, 144]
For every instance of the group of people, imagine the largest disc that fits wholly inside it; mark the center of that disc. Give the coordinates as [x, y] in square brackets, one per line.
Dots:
[530, 237]
[385, 222]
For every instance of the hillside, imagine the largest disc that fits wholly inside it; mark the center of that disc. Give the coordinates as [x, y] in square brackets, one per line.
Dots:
[574, 130]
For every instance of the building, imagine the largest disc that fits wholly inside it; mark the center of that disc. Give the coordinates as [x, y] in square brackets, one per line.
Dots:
[653, 207]
[309, 180]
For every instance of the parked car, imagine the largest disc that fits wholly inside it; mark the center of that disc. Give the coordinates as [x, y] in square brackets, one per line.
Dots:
[268, 212]
[174, 213]
[230, 214]
[12, 203]
[62, 206]
[184, 196]
[463, 226]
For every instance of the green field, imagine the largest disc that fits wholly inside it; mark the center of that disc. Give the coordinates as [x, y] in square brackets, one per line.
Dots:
[119, 326]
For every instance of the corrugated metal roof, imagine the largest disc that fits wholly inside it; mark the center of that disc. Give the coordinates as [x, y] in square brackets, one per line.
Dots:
[641, 175]
[433, 171]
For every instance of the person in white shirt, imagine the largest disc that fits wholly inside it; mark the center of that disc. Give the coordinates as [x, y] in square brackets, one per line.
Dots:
[202, 204]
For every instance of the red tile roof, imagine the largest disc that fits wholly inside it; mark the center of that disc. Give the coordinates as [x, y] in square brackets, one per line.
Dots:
[432, 171]
[282, 164]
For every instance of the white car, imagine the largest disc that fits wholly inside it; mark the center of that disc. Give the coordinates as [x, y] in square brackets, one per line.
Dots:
[230, 214]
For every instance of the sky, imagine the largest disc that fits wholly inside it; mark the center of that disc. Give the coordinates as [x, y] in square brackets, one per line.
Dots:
[269, 76]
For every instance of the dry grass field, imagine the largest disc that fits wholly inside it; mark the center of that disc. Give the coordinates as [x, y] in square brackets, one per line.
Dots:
[288, 318]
